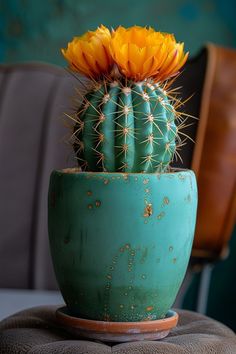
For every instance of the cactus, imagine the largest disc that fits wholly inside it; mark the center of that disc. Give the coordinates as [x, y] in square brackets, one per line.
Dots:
[127, 120]
[125, 128]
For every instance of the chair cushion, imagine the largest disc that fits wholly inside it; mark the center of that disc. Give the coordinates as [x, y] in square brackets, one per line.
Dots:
[35, 331]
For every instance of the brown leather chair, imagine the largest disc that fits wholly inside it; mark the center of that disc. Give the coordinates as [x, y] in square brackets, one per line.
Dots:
[214, 157]
[32, 99]
[211, 77]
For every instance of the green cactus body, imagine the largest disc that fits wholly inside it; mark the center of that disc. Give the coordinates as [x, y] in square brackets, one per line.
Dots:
[125, 128]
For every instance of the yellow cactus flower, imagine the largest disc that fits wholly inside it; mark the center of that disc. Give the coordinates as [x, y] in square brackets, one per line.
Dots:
[90, 53]
[141, 53]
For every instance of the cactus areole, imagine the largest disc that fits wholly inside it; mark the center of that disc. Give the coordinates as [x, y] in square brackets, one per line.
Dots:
[121, 225]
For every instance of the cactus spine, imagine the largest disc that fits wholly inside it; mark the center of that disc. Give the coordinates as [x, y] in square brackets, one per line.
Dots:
[125, 127]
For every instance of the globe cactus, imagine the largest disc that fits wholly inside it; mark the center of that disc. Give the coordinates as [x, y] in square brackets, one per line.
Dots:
[127, 121]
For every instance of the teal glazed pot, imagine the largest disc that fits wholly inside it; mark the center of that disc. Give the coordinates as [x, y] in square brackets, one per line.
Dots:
[121, 243]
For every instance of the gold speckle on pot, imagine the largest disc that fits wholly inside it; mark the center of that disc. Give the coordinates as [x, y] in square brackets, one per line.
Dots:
[166, 201]
[149, 308]
[161, 215]
[147, 210]
[98, 203]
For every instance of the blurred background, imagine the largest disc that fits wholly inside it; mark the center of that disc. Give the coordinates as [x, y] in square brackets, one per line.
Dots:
[36, 30]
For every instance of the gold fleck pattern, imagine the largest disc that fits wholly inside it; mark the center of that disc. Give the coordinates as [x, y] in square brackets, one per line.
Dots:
[149, 308]
[89, 193]
[108, 287]
[90, 206]
[161, 215]
[98, 203]
[166, 201]
[148, 210]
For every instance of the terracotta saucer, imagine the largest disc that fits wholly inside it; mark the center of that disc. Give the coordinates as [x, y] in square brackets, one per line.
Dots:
[117, 331]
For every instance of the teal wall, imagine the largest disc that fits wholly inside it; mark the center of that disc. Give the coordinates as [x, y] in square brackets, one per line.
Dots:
[35, 30]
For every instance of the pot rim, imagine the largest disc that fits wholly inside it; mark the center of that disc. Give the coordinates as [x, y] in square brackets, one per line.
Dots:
[77, 170]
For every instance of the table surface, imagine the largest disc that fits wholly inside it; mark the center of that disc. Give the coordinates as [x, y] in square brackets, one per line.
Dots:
[14, 300]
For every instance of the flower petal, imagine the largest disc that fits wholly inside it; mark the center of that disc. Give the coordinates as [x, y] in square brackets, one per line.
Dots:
[90, 54]
[141, 53]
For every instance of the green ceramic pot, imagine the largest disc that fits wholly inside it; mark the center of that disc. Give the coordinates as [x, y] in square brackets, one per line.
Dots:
[121, 243]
